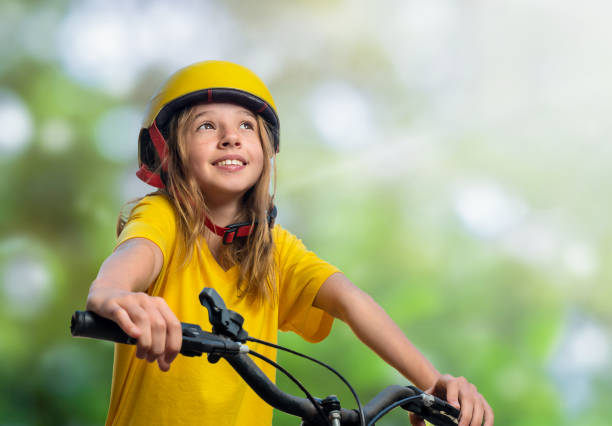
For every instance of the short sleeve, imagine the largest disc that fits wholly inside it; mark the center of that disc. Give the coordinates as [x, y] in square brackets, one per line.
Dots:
[152, 218]
[301, 274]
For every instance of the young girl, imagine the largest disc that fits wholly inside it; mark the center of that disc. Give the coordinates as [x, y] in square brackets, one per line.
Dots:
[208, 141]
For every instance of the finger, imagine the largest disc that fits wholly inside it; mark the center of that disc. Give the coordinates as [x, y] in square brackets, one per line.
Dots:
[452, 393]
[123, 320]
[416, 420]
[488, 414]
[174, 333]
[477, 412]
[158, 335]
[141, 319]
[465, 416]
[163, 365]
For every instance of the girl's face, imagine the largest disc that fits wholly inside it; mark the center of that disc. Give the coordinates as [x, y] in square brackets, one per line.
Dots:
[224, 150]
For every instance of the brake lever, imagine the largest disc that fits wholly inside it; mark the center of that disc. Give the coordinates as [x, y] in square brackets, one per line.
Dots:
[432, 408]
[224, 321]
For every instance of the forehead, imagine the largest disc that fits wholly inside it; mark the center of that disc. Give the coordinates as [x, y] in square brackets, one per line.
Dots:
[221, 108]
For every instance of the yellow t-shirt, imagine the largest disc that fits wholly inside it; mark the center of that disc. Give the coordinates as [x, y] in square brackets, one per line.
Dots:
[195, 391]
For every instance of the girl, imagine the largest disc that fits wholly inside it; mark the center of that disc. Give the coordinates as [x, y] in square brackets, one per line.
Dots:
[208, 141]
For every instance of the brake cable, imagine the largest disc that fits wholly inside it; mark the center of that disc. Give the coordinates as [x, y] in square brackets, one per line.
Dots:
[392, 406]
[360, 408]
[226, 322]
[295, 380]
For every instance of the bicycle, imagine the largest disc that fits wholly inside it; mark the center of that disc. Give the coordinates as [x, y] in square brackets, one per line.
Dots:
[228, 341]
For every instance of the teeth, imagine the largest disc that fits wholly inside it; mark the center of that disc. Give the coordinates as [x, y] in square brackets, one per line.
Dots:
[230, 163]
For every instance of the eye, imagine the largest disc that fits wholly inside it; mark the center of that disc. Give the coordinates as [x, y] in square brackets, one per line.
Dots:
[206, 126]
[247, 125]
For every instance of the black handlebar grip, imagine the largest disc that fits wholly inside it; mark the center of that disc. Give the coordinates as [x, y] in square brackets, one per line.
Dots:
[89, 324]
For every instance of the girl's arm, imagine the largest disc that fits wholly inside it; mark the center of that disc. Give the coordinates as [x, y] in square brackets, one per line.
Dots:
[371, 324]
[117, 293]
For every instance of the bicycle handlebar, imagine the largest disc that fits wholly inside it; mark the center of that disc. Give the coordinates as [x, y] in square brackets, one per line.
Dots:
[197, 341]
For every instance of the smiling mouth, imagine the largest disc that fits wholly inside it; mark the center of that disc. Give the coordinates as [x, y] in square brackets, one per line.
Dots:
[225, 163]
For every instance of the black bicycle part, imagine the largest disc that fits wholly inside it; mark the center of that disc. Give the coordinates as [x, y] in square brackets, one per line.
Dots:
[330, 368]
[432, 407]
[195, 340]
[224, 321]
[229, 323]
[391, 407]
[315, 403]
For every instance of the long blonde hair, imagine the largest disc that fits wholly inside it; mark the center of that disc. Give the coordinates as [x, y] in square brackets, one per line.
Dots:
[254, 254]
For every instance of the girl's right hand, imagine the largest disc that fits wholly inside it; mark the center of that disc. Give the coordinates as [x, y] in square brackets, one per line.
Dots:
[146, 318]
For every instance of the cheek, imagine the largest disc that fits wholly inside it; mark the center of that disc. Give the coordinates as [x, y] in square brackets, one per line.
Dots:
[192, 161]
[259, 162]
[197, 157]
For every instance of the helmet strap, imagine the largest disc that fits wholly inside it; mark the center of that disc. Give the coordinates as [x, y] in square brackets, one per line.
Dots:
[160, 145]
[149, 177]
[230, 232]
[238, 230]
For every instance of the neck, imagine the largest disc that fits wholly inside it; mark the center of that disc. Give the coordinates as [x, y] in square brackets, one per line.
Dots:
[220, 214]
[223, 214]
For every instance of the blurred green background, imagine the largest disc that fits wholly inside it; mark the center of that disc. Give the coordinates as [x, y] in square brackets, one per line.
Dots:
[453, 158]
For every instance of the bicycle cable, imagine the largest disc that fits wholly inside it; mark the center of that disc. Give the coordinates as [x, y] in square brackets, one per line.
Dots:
[359, 406]
[296, 381]
[391, 407]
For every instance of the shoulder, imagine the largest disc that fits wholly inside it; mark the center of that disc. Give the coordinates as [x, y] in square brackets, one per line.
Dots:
[156, 201]
[153, 206]
[289, 248]
[153, 211]
[283, 239]
[152, 218]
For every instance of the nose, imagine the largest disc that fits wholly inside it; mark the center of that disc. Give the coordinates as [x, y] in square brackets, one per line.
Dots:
[230, 139]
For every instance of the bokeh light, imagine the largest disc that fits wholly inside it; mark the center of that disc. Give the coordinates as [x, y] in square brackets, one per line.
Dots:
[16, 123]
[56, 135]
[115, 135]
[349, 110]
[110, 44]
[26, 277]
[451, 158]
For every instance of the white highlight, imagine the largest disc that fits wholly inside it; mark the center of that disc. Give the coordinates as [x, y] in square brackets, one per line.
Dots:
[486, 209]
[587, 348]
[580, 260]
[116, 134]
[342, 115]
[109, 44]
[583, 352]
[56, 135]
[536, 241]
[27, 285]
[15, 122]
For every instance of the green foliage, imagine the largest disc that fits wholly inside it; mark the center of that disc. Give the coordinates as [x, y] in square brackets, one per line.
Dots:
[494, 305]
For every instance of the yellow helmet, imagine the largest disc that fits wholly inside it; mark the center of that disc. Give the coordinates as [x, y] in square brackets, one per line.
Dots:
[208, 81]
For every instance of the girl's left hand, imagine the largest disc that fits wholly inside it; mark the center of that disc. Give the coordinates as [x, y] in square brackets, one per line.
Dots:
[462, 395]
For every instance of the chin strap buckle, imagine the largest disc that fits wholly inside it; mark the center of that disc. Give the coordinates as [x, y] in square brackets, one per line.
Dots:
[239, 230]
[236, 230]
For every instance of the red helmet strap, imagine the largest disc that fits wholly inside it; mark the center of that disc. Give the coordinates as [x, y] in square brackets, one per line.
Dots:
[230, 232]
[160, 145]
[239, 230]
[149, 177]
